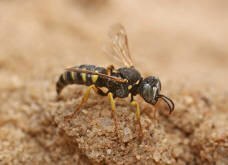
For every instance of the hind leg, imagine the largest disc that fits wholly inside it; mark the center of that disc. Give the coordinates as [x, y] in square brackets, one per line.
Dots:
[84, 99]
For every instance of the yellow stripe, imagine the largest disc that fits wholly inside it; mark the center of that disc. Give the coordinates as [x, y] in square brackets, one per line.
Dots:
[73, 76]
[64, 76]
[83, 77]
[94, 78]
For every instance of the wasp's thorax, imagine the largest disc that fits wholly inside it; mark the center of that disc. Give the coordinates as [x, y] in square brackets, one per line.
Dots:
[149, 89]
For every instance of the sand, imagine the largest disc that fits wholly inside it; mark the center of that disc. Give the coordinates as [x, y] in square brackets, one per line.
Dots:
[184, 43]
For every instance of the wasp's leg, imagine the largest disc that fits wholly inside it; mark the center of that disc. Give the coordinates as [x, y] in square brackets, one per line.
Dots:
[110, 96]
[84, 99]
[134, 103]
[155, 112]
[155, 117]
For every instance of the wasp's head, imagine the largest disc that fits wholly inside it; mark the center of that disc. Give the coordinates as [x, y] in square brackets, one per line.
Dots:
[150, 89]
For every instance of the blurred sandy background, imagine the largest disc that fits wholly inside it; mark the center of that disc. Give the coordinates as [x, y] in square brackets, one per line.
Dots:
[174, 40]
[185, 43]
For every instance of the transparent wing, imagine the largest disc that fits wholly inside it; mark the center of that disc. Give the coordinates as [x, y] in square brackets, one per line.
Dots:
[117, 46]
[73, 69]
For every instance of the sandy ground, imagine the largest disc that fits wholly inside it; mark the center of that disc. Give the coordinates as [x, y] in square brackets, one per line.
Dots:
[182, 42]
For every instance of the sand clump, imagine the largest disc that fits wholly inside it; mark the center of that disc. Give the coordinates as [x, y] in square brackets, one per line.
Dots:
[44, 136]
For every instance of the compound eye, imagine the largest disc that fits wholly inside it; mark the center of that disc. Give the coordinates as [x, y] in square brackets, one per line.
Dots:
[149, 89]
[147, 93]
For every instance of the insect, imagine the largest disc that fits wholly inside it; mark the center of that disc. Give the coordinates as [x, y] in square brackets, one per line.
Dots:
[120, 82]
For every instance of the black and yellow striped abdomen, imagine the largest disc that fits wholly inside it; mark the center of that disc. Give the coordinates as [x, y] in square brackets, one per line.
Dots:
[67, 77]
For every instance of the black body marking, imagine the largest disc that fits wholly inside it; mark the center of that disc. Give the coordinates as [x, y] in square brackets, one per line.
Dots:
[118, 89]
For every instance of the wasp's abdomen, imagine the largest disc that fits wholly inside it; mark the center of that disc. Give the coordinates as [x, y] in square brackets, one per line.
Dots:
[67, 77]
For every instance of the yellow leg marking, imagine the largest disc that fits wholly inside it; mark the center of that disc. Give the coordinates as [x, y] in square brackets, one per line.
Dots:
[110, 96]
[83, 77]
[134, 103]
[94, 88]
[84, 99]
[73, 76]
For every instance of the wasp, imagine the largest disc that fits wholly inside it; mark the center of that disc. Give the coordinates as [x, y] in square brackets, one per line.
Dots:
[120, 82]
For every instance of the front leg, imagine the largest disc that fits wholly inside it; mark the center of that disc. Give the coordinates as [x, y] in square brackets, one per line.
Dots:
[113, 107]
